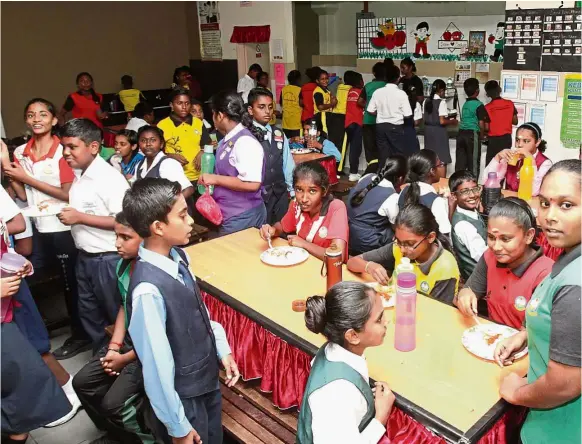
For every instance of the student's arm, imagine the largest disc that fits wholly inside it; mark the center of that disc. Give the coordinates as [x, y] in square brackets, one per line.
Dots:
[484, 120]
[496, 166]
[514, 117]
[23, 246]
[378, 263]
[288, 167]
[17, 173]
[313, 249]
[300, 101]
[67, 107]
[18, 188]
[114, 361]
[329, 149]
[319, 102]
[372, 105]
[232, 183]
[16, 224]
[71, 216]
[148, 333]
[362, 99]
[475, 288]
[444, 290]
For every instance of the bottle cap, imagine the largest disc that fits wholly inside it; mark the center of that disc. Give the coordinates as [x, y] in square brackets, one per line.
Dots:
[406, 280]
[333, 251]
[209, 149]
[405, 265]
[527, 161]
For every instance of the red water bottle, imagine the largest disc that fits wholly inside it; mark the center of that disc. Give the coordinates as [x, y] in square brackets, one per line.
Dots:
[333, 262]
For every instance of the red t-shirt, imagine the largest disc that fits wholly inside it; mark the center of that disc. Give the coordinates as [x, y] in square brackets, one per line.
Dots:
[331, 223]
[307, 97]
[354, 113]
[501, 112]
[84, 106]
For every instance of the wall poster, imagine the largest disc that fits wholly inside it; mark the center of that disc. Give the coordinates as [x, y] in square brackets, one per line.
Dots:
[209, 20]
[572, 112]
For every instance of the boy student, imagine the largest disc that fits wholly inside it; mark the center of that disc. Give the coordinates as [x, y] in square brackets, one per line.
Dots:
[278, 178]
[143, 115]
[469, 231]
[369, 128]
[129, 96]
[471, 129]
[502, 116]
[248, 82]
[95, 198]
[169, 323]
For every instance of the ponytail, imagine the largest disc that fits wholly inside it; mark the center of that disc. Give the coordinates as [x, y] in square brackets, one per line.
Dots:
[230, 103]
[436, 85]
[394, 168]
[419, 166]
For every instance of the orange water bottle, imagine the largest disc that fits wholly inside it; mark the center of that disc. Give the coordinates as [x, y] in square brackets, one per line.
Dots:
[526, 178]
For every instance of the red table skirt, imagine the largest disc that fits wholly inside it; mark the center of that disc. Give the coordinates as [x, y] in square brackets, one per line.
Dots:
[330, 166]
[284, 369]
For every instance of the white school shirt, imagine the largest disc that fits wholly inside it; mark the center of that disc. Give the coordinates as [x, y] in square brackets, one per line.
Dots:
[386, 209]
[443, 110]
[338, 407]
[390, 104]
[170, 169]
[246, 156]
[468, 235]
[98, 191]
[244, 87]
[27, 223]
[135, 123]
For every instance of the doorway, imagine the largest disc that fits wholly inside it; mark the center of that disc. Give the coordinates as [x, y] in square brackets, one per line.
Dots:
[249, 53]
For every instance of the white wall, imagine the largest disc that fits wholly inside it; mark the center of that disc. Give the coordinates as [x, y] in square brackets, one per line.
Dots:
[279, 15]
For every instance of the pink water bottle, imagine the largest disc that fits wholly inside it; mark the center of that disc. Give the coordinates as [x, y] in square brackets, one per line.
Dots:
[405, 334]
[10, 264]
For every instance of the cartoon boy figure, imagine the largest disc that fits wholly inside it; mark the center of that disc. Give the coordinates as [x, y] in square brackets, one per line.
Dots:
[422, 36]
[499, 39]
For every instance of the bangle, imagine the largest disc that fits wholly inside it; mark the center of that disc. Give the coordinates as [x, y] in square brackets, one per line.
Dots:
[116, 343]
[366, 267]
[116, 350]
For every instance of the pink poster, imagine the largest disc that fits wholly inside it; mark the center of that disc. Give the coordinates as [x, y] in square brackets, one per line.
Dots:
[278, 89]
[279, 73]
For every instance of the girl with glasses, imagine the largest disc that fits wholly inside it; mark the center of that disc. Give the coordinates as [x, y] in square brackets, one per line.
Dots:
[417, 237]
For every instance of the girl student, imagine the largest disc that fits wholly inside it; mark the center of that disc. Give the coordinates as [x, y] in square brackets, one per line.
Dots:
[436, 120]
[417, 237]
[127, 156]
[85, 102]
[354, 121]
[369, 206]
[289, 101]
[39, 173]
[240, 165]
[510, 269]
[263, 81]
[528, 143]
[552, 389]
[411, 83]
[323, 99]
[317, 219]
[338, 404]
[306, 97]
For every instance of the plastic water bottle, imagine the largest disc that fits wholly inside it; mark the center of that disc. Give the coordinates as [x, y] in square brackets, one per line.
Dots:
[207, 166]
[491, 192]
[10, 265]
[312, 133]
[405, 333]
[526, 178]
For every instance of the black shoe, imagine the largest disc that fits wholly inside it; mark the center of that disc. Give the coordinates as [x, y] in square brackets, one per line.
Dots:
[105, 439]
[72, 347]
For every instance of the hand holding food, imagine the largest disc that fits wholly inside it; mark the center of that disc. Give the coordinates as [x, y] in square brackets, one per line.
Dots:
[467, 302]
[267, 232]
[378, 272]
[506, 349]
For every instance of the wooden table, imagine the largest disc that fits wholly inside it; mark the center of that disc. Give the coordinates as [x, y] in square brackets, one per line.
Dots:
[440, 384]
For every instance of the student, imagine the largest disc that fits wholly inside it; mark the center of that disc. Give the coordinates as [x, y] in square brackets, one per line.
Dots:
[306, 98]
[436, 120]
[391, 107]
[85, 103]
[198, 112]
[110, 385]
[289, 101]
[471, 129]
[528, 143]
[240, 162]
[510, 269]
[127, 156]
[317, 219]
[552, 322]
[246, 83]
[183, 79]
[323, 99]
[156, 164]
[338, 404]
[94, 199]
[185, 135]
[369, 206]
[264, 82]
[411, 83]
[129, 96]
[336, 118]
[417, 237]
[425, 169]
[369, 127]
[39, 172]
[354, 122]
[502, 116]
[143, 114]
[279, 164]
[320, 143]
[469, 232]
[169, 324]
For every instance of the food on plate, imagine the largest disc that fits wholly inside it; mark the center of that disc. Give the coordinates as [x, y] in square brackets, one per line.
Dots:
[491, 338]
[277, 252]
[386, 291]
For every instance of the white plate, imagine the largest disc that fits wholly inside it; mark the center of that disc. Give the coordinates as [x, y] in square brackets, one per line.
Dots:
[387, 303]
[301, 151]
[51, 210]
[475, 339]
[284, 256]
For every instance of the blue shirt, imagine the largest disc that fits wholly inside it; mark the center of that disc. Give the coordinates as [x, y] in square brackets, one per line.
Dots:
[147, 328]
[328, 148]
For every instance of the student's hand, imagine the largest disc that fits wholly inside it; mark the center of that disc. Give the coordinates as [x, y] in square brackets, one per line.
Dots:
[467, 302]
[510, 385]
[333, 101]
[232, 373]
[208, 179]
[505, 154]
[267, 232]
[198, 161]
[524, 153]
[113, 363]
[191, 438]
[183, 161]
[15, 172]
[505, 351]
[383, 401]
[9, 285]
[70, 216]
[314, 144]
[379, 273]
[26, 269]
[296, 241]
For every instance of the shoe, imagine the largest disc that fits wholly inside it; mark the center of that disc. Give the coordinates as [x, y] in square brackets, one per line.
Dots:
[354, 177]
[72, 347]
[105, 439]
[75, 403]
[8, 440]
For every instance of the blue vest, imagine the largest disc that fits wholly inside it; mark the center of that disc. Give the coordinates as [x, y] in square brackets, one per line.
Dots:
[154, 172]
[426, 200]
[274, 178]
[187, 327]
[368, 230]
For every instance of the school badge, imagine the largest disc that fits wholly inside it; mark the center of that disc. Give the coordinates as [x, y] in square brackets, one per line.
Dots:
[322, 232]
[520, 303]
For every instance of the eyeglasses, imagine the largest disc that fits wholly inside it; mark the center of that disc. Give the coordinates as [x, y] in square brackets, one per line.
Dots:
[439, 165]
[408, 246]
[468, 191]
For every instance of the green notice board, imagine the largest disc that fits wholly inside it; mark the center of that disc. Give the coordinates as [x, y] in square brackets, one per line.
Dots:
[570, 132]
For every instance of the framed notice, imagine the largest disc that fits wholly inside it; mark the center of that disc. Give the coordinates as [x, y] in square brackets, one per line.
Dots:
[549, 88]
[528, 88]
[510, 86]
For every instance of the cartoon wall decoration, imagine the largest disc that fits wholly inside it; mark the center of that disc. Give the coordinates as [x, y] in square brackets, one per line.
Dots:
[476, 43]
[422, 36]
[499, 39]
[381, 37]
[389, 36]
[452, 39]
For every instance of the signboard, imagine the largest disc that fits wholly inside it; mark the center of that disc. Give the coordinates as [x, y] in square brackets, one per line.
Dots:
[572, 112]
[209, 20]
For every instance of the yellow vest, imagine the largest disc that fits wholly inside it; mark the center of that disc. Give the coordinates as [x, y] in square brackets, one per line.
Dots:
[183, 139]
[342, 99]
[291, 108]
[326, 101]
[129, 98]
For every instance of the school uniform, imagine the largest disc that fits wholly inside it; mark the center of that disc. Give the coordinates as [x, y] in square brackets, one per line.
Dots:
[411, 143]
[85, 106]
[321, 97]
[369, 127]
[244, 87]
[129, 98]
[278, 178]
[240, 155]
[354, 122]
[500, 112]
[469, 236]
[370, 227]
[135, 123]
[53, 238]
[163, 167]
[438, 277]
[128, 168]
[291, 110]
[553, 332]
[177, 344]
[431, 199]
[468, 143]
[338, 403]
[98, 191]
[436, 137]
[307, 99]
[337, 119]
[508, 290]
